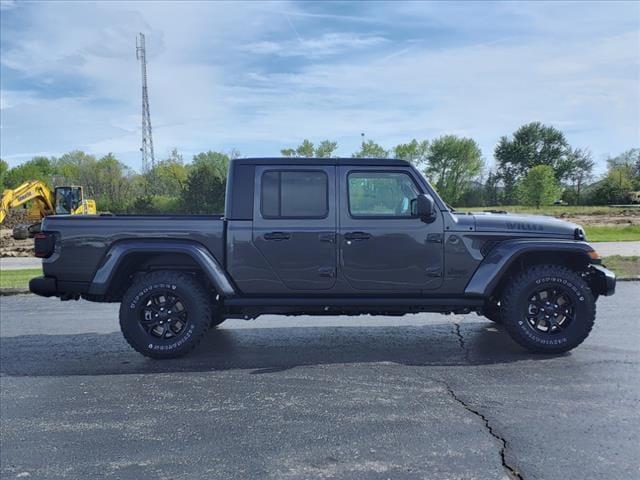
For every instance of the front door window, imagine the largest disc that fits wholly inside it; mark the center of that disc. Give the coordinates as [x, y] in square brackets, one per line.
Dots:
[381, 194]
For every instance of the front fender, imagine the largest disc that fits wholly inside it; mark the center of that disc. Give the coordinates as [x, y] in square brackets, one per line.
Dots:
[119, 251]
[492, 269]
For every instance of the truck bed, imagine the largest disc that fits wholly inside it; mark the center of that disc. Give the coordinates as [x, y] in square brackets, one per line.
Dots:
[89, 238]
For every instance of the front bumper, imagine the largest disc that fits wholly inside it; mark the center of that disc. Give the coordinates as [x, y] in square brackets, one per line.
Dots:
[43, 286]
[603, 280]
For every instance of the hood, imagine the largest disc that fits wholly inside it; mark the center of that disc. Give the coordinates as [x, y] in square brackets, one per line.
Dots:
[535, 225]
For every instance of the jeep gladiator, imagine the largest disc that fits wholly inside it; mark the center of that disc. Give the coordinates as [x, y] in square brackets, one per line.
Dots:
[325, 237]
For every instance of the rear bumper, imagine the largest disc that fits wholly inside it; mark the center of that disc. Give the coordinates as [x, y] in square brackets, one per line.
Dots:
[604, 280]
[43, 286]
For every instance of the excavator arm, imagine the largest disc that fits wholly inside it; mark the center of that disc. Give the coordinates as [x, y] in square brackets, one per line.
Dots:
[35, 190]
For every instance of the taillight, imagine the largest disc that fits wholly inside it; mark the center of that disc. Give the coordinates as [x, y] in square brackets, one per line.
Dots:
[44, 244]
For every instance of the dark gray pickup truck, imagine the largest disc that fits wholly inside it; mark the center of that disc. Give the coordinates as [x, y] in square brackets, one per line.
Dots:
[326, 237]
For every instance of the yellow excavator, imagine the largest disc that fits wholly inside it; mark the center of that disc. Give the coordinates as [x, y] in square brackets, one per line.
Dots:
[67, 200]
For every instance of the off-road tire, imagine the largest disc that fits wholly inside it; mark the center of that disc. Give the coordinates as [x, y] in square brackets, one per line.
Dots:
[217, 315]
[190, 292]
[516, 297]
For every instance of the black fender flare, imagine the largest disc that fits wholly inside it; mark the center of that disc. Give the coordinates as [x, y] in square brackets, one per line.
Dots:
[201, 256]
[501, 257]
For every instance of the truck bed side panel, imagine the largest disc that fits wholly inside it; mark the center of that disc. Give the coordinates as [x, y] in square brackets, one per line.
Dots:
[90, 237]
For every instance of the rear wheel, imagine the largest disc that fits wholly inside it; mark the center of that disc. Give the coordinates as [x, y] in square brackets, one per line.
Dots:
[165, 314]
[548, 309]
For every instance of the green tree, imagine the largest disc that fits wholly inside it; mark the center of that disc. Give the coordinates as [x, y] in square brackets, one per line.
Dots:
[38, 168]
[205, 187]
[491, 189]
[452, 163]
[581, 170]
[538, 187]
[532, 144]
[627, 162]
[615, 186]
[308, 150]
[77, 168]
[325, 149]
[219, 162]
[4, 168]
[415, 152]
[370, 149]
[113, 188]
[169, 176]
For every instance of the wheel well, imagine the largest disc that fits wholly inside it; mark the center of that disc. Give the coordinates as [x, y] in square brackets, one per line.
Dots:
[136, 264]
[576, 261]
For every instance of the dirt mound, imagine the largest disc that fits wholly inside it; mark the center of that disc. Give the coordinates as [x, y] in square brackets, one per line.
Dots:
[9, 247]
[17, 216]
[603, 220]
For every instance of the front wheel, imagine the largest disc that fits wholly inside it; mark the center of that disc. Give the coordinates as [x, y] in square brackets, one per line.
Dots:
[548, 309]
[165, 314]
[492, 312]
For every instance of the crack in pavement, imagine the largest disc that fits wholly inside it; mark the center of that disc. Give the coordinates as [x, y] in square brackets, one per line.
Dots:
[463, 345]
[512, 471]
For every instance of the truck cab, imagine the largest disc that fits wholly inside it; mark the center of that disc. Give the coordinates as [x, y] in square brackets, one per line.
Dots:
[320, 228]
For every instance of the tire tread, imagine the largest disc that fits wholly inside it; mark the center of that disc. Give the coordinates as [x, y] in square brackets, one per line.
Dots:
[509, 306]
[188, 282]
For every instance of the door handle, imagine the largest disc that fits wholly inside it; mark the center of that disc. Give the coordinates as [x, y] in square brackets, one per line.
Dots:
[277, 236]
[357, 236]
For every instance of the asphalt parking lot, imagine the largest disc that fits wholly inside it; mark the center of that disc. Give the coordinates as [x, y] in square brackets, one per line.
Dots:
[420, 396]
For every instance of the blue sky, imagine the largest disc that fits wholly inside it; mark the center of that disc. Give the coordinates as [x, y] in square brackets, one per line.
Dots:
[259, 77]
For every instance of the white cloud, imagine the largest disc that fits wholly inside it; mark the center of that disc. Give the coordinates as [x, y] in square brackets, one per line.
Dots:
[263, 76]
[323, 45]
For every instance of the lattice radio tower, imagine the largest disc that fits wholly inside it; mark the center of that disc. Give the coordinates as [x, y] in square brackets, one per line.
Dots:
[148, 159]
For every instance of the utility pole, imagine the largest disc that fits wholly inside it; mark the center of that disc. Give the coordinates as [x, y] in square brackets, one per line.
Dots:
[148, 159]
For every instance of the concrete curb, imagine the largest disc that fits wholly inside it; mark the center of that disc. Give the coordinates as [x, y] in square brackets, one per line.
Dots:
[6, 292]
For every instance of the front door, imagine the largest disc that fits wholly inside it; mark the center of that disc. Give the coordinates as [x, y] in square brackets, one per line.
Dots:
[294, 225]
[383, 247]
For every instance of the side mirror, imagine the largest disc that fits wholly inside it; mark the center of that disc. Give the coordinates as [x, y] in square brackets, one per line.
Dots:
[423, 206]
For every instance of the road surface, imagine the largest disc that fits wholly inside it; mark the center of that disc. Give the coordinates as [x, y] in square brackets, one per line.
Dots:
[420, 396]
[19, 263]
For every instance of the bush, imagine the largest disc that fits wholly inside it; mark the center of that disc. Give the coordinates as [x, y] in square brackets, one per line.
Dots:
[539, 187]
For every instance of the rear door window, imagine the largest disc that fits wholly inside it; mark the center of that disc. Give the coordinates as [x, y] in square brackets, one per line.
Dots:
[294, 194]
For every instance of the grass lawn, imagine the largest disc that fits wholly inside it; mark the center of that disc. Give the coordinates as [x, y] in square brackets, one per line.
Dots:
[18, 278]
[610, 233]
[623, 266]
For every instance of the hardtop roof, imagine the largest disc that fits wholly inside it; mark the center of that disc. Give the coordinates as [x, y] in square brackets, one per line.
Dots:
[321, 161]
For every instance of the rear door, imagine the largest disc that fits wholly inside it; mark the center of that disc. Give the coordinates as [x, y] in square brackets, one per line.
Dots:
[294, 224]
